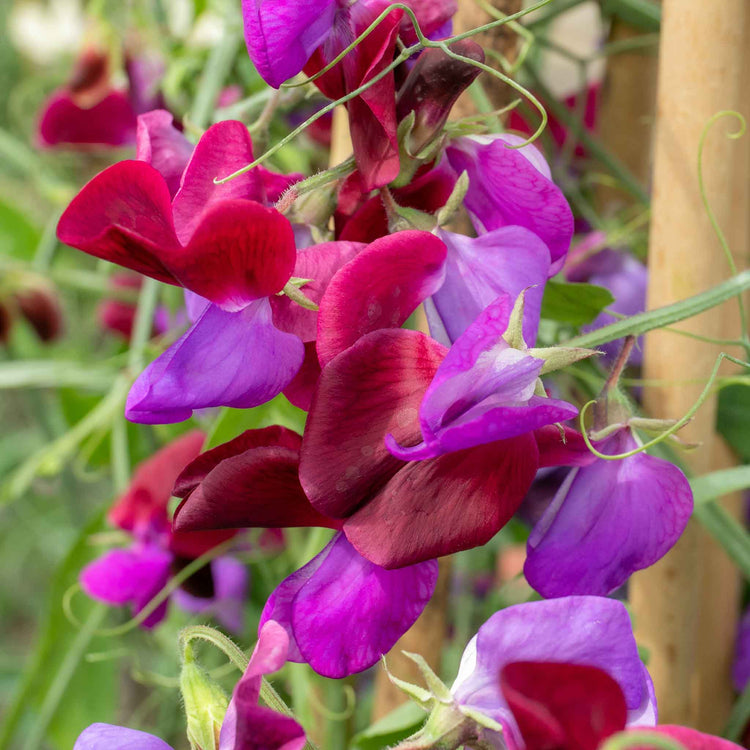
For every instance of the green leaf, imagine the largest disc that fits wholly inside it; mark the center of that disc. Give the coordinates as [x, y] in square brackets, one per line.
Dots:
[577, 304]
[392, 728]
[739, 717]
[733, 418]
[664, 316]
[719, 483]
[232, 422]
[57, 676]
[18, 236]
[643, 14]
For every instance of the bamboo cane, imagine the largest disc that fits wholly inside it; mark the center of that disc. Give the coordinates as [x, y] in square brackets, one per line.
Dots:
[686, 605]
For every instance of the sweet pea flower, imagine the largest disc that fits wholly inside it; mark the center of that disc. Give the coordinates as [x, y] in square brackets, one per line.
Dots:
[136, 574]
[341, 611]
[579, 630]
[394, 410]
[222, 244]
[513, 187]
[607, 519]
[246, 725]
[285, 37]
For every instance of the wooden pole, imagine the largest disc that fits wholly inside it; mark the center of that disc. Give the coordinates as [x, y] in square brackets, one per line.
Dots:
[686, 606]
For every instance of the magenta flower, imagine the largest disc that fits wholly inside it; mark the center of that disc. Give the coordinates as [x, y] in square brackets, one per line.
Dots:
[218, 241]
[360, 609]
[136, 574]
[513, 187]
[246, 725]
[607, 519]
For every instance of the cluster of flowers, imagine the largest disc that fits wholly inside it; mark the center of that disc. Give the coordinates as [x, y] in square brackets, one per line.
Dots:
[416, 446]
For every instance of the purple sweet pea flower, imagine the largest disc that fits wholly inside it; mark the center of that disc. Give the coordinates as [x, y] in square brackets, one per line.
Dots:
[625, 276]
[483, 391]
[513, 187]
[342, 612]
[246, 725]
[607, 520]
[584, 630]
[478, 270]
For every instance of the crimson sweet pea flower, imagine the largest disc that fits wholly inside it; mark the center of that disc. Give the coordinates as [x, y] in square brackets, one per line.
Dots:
[222, 244]
[341, 611]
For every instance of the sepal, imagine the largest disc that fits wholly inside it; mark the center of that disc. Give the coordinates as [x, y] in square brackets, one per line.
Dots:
[558, 357]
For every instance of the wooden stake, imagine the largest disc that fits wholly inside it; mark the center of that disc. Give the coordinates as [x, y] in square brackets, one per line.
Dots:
[686, 606]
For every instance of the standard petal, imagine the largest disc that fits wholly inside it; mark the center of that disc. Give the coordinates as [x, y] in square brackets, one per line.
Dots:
[372, 389]
[224, 148]
[110, 122]
[281, 35]
[345, 612]
[588, 630]
[444, 505]
[225, 359]
[563, 705]
[611, 519]
[479, 269]
[109, 736]
[241, 251]
[379, 288]
[161, 145]
[124, 215]
[509, 187]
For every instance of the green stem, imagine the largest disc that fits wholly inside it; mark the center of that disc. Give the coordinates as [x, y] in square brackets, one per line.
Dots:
[57, 689]
[663, 316]
[143, 325]
[204, 633]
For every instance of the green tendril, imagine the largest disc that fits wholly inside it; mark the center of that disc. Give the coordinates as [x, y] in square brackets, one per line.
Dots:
[422, 43]
[712, 216]
[664, 435]
[327, 713]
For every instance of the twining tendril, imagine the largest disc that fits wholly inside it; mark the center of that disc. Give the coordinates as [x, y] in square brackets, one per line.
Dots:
[422, 43]
[676, 426]
[327, 713]
[712, 216]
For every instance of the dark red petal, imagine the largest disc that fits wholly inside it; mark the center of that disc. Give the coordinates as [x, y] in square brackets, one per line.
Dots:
[428, 192]
[444, 505]
[260, 728]
[257, 488]
[372, 389]
[563, 706]
[192, 544]
[124, 215]
[196, 471]
[379, 288]
[566, 448]
[240, 252]
[151, 487]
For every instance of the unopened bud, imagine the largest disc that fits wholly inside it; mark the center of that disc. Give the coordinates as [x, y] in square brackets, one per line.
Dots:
[205, 703]
[40, 306]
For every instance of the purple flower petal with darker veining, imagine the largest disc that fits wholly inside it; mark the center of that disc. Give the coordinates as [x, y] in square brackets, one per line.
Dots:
[131, 576]
[342, 612]
[160, 144]
[608, 520]
[226, 359]
[513, 187]
[282, 34]
[111, 737]
[586, 630]
[479, 270]
[483, 391]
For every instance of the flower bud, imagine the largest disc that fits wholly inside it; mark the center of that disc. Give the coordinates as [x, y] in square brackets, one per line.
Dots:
[40, 306]
[205, 704]
[431, 89]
